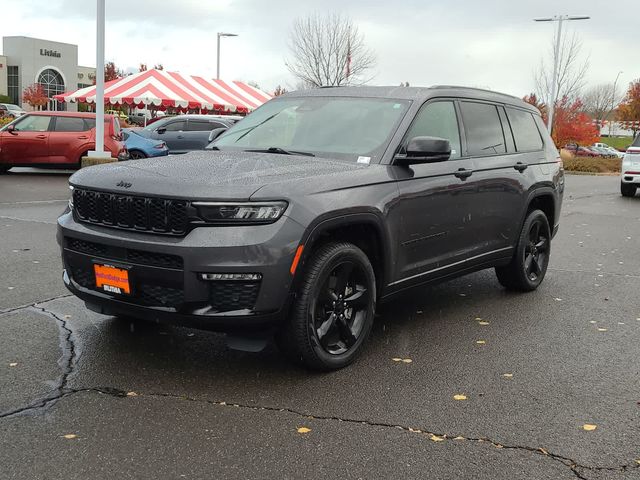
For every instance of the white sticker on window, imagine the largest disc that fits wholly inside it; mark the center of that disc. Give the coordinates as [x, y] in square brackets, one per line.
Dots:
[364, 160]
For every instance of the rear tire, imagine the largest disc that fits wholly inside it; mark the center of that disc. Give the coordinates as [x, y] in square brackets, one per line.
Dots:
[529, 264]
[4, 169]
[332, 314]
[628, 189]
[136, 155]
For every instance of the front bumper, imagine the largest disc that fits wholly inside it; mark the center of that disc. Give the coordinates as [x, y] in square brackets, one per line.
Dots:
[165, 273]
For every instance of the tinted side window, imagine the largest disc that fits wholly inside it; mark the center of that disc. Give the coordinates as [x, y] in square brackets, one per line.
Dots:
[437, 119]
[33, 123]
[525, 131]
[70, 124]
[202, 125]
[176, 126]
[89, 123]
[483, 129]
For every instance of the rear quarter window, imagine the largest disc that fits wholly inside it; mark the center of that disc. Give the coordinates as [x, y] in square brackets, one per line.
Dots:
[525, 132]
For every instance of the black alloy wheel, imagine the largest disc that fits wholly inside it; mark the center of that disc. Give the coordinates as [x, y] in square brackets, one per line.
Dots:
[341, 308]
[333, 311]
[528, 266]
[536, 252]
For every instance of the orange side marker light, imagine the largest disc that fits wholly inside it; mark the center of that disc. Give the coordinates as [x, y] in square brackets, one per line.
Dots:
[296, 259]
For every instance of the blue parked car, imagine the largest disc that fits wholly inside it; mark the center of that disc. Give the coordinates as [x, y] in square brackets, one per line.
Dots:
[141, 147]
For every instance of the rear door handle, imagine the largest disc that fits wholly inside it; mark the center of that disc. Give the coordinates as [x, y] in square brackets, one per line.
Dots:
[82, 137]
[180, 136]
[521, 167]
[41, 137]
[463, 173]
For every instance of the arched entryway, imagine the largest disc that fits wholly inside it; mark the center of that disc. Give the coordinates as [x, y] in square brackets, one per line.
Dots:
[53, 84]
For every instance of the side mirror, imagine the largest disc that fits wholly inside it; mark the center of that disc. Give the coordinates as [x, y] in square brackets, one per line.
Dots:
[161, 130]
[216, 132]
[11, 129]
[425, 150]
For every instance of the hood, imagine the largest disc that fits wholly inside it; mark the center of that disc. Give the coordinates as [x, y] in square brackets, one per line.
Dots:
[211, 174]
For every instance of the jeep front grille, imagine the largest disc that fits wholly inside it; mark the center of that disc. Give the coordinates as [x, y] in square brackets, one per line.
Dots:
[153, 215]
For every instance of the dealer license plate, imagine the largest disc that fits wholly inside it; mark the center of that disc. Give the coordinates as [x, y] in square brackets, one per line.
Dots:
[111, 279]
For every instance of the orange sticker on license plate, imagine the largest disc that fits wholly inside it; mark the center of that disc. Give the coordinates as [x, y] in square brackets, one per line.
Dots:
[112, 279]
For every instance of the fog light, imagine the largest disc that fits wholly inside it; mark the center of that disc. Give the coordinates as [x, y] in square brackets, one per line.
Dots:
[244, 277]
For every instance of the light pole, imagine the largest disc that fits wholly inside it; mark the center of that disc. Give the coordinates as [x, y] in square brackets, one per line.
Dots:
[613, 98]
[222, 34]
[556, 58]
[99, 151]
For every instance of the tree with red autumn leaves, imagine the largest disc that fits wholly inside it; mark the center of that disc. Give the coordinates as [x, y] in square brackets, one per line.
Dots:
[35, 96]
[629, 109]
[572, 125]
[533, 99]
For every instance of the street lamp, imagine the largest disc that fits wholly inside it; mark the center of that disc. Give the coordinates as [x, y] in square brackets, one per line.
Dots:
[222, 34]
[556, 57]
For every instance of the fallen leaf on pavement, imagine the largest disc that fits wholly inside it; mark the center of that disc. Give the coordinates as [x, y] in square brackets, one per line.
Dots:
[480, 342]
[483, 323]
[460, 397]
[589, 427]
[436, 438]
[132, 394]
[13, 364]
[70, 436]
[507, 375]
[602, 329]
[459, 438]
[303, 430]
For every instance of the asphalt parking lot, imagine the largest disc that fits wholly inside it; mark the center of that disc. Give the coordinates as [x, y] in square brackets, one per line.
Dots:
[87, 396]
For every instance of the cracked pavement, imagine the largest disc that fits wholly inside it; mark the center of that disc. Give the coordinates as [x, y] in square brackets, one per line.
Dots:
[142, 400]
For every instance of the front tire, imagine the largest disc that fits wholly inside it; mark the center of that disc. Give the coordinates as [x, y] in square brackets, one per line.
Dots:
[529, 264]
[332, 315]
[4, 169]
[627, 189]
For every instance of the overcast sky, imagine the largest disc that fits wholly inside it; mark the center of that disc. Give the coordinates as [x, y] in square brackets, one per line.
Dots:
[485, 43]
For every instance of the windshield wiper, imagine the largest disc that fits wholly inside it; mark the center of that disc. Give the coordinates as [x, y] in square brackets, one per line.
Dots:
[281, 151]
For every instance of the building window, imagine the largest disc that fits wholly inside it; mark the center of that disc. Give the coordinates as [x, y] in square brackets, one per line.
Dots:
[13, 84]
[52, 82]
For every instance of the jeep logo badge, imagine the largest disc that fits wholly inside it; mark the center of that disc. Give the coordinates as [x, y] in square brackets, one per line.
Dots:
[124, 184]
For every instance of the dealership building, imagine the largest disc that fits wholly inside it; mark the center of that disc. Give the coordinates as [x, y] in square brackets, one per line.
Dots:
[54, 65]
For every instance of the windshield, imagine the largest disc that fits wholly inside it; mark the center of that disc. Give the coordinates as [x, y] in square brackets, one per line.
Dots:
[338, 127]
[11, 106]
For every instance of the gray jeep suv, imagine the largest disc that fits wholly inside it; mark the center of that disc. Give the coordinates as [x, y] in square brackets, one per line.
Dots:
[314, 208]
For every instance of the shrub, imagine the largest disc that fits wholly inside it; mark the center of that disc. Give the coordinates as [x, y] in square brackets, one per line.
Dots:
[5, 120]
[592, 164]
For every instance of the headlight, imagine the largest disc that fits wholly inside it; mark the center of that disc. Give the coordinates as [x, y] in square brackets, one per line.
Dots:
[249, 212]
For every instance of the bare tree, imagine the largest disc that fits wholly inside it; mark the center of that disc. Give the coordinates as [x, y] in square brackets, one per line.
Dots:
[571, 72]
[328, 50]
[601, 100]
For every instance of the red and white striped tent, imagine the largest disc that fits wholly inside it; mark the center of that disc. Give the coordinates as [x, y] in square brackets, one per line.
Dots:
[160, 89]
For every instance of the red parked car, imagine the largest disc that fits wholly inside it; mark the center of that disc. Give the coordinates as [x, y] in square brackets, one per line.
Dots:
[45, 139]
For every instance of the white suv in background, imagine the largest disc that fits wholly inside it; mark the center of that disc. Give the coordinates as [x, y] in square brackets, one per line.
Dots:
[630, 171]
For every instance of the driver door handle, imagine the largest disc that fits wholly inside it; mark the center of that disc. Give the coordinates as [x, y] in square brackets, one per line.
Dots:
[521, 167]
[41, 136]
[463, 173]
[82, 137]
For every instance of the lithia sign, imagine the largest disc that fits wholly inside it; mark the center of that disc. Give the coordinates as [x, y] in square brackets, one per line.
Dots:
[49, 53]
